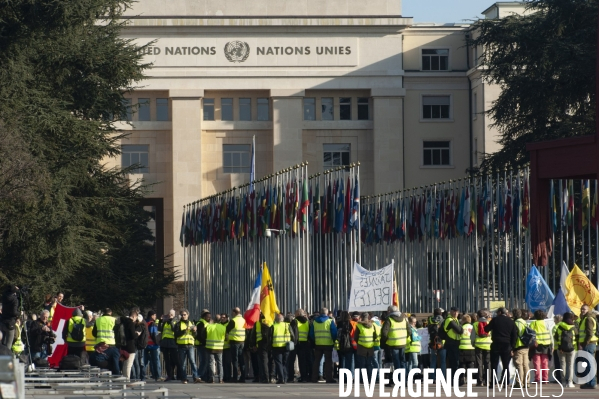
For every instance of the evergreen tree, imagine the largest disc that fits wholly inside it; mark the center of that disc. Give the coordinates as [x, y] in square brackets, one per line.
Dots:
[544, 63]
[63, 72]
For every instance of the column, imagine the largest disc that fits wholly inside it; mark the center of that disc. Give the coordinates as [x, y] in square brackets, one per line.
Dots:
[388, 143]
[287, 128]
[186, 180]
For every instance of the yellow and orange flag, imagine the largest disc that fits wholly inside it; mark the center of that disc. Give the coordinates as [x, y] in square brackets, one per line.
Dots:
[268, 302]
[579, 290]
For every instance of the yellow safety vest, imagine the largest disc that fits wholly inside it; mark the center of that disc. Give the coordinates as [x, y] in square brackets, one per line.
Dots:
[322, 333]
[450, 332]
[398, 333]
[483, 343]
[377, 341]
[167, 331]
[521, 324]
[72, 321]
[582, 333]
[366, 338]
[258, 332]
[280, 334]
[414, 346]
[227, 343]
[187, 337]
[18, 346]
[205, 323]
[543, 335]
[557, 333]
[303, 330]
[105, 330]
[465, 343]
[237, 334]
[90, 340]
[215, 336]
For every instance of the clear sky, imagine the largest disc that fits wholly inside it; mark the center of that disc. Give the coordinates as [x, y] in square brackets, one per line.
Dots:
[444, 11]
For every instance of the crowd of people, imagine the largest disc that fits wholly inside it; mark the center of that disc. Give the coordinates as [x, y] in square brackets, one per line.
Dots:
[298, 347]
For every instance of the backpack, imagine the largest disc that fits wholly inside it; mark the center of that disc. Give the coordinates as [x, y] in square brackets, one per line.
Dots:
[119, 335]
[344, 339]
[70, 362]
[529, 337]
[436, 342]
[567, 341]
[78, 333]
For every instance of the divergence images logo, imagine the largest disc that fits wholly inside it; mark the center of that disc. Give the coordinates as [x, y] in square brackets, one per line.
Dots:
[237, 51]
[581, 365]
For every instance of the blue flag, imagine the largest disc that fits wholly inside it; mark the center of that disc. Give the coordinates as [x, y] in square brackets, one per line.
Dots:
[340, 208]
[538, 293]
[560, 305]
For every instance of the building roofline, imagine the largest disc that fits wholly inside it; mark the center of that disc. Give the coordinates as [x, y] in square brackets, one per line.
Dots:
[504, 3]
[258, 16]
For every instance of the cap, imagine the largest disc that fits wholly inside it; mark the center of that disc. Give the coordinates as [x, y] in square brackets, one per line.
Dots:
[355, 314]
[454, 309]
[205, 312]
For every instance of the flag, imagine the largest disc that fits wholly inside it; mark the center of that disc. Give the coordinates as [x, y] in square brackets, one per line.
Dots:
[508, 205]
[563, 276]
[305, 204]
[516, 208]
[538, 293]
[252, 313]
[552, 207]
[570, 213]
[60, 321]
[586, 203]
[339, 209]
[316, 202]
[355, 207]
[560, 305]
[182, 232]
[268, 302]
[580, 291]
[565, 202]
[466, 216]
[253, 165]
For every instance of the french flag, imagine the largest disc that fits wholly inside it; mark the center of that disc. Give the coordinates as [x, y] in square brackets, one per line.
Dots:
[252, 314]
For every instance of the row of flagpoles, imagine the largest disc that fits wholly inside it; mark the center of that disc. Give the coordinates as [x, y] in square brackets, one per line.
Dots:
[464, 242]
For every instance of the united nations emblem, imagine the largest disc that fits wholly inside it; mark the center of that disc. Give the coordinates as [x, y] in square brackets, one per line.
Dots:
[237, 51]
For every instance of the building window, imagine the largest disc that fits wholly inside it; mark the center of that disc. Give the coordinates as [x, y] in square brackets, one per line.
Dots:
[345, 108]
[336, 155]
[327, 108]
[363, 109]
[226, 105]
[236, 158]
[162, 109]
[143, 110]
[435, 107]
[245, 109]
[128, 112]
[436, 153]
[309, 108]
[435, 60]
[263, 109]
[135, 155]
[474, 105]
[209, 109]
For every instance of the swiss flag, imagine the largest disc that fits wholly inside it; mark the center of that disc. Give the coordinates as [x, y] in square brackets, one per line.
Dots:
[60, 321]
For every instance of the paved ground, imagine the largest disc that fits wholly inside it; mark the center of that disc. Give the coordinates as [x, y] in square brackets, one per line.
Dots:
[321, 390]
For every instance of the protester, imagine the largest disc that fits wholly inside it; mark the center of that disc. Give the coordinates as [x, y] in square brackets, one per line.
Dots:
[543, 349]
[204, 356]
[129, 350]
[565, 347]
[365, 335]
[214, 339]
[74, 335]
[587, 340]
[323, 333]
[452, 330]
[260, 342]
[236, 331]
[467, 339]
[521, 351]
[184, 336]
[152, 351]
[394, 336]
[41, 337]
[168, 345]
[413, 349]
[436, 350]
[504, 335]
[482, 347]
[10, 312]
[281, 335]
[300, 326]
[140, 344]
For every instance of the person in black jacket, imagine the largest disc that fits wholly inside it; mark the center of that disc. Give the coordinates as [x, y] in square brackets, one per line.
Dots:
[139, 371]
[129, 349]
[504, 335]
[260, 340]
[10, 312]
[41, 337]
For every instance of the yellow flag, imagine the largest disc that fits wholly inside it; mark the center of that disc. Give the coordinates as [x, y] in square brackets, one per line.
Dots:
[268, 302]
[580, 291]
